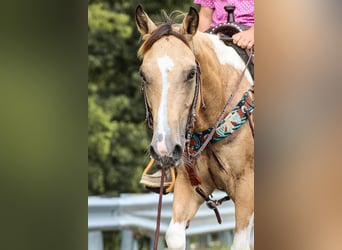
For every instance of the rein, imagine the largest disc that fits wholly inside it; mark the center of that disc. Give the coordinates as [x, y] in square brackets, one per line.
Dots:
[160, 202]
[220, 118]
[191, 154]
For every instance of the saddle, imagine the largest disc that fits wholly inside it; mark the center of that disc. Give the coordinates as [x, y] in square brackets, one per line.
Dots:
[227, 30]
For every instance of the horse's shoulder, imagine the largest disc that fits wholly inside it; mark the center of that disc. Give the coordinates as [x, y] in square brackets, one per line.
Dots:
[225, 31]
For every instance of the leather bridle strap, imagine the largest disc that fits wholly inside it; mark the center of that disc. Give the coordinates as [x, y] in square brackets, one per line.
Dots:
[192, 114]
[156, 233]
[212, 204]
[148, 119]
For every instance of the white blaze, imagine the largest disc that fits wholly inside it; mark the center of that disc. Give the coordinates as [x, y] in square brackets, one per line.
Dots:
[165, 64]
[228, 55]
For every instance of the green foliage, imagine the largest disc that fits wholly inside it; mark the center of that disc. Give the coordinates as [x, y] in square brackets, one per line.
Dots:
[118, 139]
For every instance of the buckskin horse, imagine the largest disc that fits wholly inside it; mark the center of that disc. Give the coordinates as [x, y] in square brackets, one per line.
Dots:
[195, 87]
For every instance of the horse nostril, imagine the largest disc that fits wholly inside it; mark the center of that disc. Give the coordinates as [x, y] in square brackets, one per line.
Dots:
[153, 153]
[177, 152]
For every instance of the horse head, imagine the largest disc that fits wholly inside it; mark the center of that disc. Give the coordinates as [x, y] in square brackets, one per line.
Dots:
[169, 74]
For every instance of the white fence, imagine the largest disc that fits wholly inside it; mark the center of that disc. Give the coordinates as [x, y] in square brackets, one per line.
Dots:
[133, 212]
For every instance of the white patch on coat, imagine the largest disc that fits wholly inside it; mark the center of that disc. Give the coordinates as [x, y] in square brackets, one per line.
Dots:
[228, 55]
[242, 238]
[175, 236]
[165, 64]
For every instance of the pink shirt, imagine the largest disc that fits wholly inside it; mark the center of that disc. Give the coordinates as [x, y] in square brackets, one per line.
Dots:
[243, 13]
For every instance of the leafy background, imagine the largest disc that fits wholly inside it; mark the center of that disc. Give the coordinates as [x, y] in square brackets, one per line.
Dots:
[118, 138]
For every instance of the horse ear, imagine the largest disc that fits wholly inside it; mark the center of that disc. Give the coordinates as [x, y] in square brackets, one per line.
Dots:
[143, 22]
[190, 22]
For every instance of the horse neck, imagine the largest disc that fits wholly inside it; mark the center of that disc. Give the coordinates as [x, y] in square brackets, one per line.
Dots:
[218, 83]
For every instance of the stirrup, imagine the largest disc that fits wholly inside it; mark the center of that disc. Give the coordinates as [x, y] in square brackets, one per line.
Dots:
[147, 179]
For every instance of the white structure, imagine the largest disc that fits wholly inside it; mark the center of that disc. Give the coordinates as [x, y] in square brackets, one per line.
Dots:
[139, 211]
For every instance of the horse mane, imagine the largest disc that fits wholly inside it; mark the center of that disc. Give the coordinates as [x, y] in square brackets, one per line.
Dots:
[164, 29]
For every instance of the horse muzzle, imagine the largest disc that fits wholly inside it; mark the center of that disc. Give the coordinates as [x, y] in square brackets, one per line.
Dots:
[166, 158]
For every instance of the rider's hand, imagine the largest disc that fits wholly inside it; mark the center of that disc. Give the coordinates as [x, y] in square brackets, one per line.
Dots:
[244, 39]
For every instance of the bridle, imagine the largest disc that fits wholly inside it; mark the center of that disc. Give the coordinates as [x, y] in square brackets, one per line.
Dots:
[190, 155]
[192, 112]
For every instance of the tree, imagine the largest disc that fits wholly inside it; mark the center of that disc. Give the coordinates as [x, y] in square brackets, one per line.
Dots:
[118, 139]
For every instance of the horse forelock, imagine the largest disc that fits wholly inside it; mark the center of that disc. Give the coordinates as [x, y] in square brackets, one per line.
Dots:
[165, 29]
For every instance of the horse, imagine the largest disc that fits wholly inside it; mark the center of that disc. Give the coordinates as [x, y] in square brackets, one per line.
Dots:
[187, 77]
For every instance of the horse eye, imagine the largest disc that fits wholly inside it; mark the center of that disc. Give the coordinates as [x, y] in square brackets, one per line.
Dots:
[142, 75]
[191, 74]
